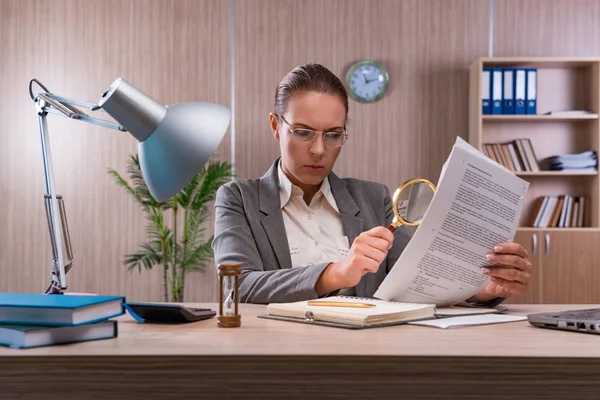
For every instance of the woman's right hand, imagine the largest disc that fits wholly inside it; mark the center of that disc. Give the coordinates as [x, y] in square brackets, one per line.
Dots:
[366, 254]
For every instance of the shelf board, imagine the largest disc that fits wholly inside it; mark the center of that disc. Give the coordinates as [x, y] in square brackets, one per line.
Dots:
[557, 173]
[579, 229]
[539, 117]
[539, 62]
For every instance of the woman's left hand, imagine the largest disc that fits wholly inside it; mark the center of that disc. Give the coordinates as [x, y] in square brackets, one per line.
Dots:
[509, 272]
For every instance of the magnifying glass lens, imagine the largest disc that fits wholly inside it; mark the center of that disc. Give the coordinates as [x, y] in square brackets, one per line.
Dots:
[411, 201]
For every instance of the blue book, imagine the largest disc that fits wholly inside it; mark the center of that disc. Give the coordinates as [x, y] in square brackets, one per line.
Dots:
[29, 336]
[58, 309]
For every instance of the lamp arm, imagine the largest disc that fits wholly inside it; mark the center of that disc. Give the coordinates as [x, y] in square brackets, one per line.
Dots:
[54, 214]
[51, 103]
[47, 102]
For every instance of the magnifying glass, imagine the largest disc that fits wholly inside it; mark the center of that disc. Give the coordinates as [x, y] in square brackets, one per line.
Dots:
[410, 202]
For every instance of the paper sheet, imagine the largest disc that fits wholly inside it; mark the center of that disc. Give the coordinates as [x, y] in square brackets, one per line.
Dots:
[460, 311]
[470, 320]
[477, 205]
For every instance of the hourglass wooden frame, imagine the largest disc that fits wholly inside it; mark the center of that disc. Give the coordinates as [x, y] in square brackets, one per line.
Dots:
[229, 271]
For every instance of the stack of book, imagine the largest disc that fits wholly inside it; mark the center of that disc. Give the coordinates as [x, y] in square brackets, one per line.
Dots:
[562, 211]
[586, 161]
[33, 320]
[516, 156]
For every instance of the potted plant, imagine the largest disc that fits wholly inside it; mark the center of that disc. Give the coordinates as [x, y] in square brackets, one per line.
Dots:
[179, 246]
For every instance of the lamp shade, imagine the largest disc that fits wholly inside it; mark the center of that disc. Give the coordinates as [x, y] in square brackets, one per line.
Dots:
[175, 142]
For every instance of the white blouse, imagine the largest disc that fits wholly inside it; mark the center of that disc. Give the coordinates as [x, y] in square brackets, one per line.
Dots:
[315, 233]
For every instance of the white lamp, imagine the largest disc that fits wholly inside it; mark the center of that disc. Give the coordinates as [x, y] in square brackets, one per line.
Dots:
[174, 144]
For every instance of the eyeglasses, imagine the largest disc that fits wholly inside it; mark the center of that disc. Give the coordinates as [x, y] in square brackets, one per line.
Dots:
[303, 135]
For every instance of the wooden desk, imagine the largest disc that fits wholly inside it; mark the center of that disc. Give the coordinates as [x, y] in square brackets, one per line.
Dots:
[274, 359]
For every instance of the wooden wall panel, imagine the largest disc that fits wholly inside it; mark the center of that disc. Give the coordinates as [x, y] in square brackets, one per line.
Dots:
[179, 50]
[174, 50]
[426, 46]
[546, 28]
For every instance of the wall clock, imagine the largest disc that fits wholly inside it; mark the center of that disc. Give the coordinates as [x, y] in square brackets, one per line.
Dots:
[367, 81]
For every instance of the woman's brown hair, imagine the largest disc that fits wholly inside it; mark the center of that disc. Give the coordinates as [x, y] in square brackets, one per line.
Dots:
[308, 78]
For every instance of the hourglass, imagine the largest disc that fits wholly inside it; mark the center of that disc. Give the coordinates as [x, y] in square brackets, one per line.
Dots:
[228, 296]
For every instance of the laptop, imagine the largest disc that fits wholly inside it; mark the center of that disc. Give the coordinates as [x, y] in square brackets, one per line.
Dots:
[587, 320]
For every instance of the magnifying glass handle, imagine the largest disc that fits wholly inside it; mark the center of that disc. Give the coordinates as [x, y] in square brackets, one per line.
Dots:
[392, 228]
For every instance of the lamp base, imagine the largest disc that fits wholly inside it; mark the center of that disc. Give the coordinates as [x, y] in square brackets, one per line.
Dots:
[54, 287]
[229, 321]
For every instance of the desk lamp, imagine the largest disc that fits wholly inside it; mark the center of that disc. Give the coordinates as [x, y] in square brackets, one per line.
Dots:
[174, 144]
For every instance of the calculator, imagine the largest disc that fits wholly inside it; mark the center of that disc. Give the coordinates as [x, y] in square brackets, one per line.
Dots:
[167, 313]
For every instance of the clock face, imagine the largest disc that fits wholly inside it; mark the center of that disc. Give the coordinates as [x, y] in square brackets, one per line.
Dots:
[367, 81]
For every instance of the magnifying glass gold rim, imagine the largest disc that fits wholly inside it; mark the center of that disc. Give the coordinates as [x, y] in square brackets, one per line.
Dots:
[398, 220]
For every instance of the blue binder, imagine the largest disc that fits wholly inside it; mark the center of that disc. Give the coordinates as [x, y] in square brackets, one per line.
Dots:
[486, 88]
[508, 97]
[496, 91]
[520, 90]
[531, 91]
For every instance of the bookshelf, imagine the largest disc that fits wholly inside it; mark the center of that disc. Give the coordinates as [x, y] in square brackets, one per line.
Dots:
[562, 84]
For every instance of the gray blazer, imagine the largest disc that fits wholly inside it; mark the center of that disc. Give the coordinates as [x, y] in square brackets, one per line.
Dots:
[249, 230]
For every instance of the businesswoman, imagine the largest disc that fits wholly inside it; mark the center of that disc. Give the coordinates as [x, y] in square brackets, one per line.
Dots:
[301, 232]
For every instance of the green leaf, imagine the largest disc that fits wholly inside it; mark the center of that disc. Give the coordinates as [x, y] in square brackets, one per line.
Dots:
[199, 258]
[193, 227]
[120, 181]
[204, 185]
[147, 258]
[217, 173]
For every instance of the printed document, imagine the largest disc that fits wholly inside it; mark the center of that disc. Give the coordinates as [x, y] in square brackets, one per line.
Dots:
[477, 205]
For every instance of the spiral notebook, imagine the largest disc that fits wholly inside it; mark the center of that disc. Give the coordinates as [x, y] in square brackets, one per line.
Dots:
[357, 313]
[349, 312]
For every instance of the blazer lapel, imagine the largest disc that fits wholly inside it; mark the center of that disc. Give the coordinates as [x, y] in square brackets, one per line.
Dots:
[353, 225]
[272, 221]
[351, 221]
